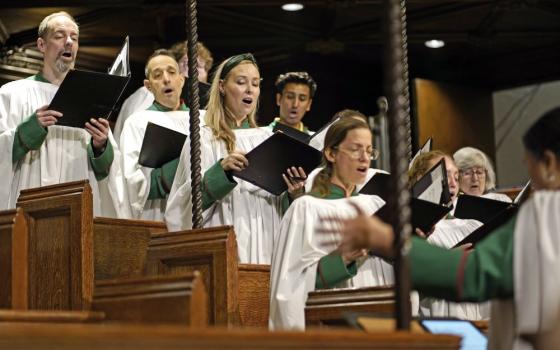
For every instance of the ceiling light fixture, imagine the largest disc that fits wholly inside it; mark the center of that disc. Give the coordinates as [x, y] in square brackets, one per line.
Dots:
[292, 6]
[435, 44]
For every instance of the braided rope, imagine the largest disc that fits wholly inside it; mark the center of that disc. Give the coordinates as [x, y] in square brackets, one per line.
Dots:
[397, 113]
[194, 106]
[406, 88]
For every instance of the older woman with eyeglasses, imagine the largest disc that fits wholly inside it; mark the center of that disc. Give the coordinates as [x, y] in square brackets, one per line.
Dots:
[476, 174]
[302, 261]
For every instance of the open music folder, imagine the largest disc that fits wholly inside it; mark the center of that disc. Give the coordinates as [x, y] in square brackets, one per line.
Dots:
[433, 186]
[495, 218]
[269, 160]
[425, 214]
[84, 94]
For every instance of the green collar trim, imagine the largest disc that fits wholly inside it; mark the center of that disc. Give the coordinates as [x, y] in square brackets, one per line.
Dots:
[301, 127]
[39, 77]
[244, 124]
[335, 192]
[161, 108]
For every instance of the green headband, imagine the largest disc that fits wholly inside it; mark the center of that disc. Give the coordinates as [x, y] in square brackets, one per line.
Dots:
[233, 61]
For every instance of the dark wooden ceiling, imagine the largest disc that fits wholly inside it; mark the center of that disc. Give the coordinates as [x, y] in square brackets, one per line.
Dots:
[490, 44]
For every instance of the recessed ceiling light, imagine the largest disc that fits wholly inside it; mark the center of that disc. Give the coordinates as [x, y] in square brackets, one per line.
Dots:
[293, 6]
[435, 44]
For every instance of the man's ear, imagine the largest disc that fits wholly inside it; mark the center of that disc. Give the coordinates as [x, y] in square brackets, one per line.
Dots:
[278, 98]
[147, 84]
[551, 163]
[182, 80]
[41, 44]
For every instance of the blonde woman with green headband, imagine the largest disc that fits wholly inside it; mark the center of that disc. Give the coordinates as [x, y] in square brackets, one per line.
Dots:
[230, 132]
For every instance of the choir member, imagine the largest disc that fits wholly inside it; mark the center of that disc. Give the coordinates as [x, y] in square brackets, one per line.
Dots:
[37, 151]
[302, 261]
[447, 233]
[148, 188]
[230, 132]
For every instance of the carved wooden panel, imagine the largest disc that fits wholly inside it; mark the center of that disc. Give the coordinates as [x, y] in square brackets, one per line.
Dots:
[327, 306]
[254, 294]
[180, 299]
[60, 250]
[213, 252]
[13, 240]
[120, 246]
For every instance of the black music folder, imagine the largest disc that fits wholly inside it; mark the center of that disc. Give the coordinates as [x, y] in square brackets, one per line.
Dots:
[424, 214]
[160, 145]
[84, 95]
[295, 133]
[378, 185]
[479, 208]
[483, 231]
[269, 160]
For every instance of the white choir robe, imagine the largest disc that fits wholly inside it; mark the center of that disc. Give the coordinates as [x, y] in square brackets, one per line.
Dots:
[446, 235]
[535, 308]
[298, 249]
[253, 212]
[61, 158]
[137, 177]
[139, 100]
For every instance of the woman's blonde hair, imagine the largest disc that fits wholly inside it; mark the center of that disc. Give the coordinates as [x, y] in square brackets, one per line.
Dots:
[335, 136]
[218, 117]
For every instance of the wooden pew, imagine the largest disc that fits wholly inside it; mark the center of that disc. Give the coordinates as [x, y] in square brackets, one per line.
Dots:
[13, 246]
[59, 258]
[147, 337]
[238, 293]
[213, 252]
[120, 246]
[179, 299]
[326, 307]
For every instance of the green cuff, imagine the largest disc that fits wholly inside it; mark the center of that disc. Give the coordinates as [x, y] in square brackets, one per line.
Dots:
[433, 270]
[331, 270]
[101, 164]
[30, 135]
[161, 179]
[216, 184]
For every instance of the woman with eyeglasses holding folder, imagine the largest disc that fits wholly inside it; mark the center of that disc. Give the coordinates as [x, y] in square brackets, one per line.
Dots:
[301, 261]
[230, 132]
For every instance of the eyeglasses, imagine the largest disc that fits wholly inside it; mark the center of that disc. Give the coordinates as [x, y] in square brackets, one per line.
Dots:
[479, 172]
[355, 154]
